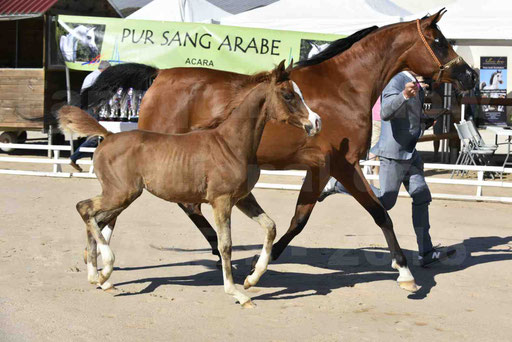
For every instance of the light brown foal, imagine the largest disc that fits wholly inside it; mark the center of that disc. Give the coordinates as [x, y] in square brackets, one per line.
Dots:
[216, 166]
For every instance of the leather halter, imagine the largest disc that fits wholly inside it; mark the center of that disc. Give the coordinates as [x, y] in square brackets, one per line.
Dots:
[441, 67]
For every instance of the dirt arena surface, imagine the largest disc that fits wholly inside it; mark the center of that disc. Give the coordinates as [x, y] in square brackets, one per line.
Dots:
[334, 284]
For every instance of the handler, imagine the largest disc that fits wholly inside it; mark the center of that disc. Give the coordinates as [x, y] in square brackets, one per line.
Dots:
[401, 114]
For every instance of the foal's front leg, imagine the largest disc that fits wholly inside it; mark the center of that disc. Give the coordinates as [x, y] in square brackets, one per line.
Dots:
[250, 207]
[222, 212]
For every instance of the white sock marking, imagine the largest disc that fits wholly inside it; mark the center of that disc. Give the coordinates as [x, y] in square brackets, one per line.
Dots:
[404, 272]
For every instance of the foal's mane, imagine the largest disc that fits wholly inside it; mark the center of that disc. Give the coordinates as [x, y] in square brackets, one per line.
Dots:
[336, 47]
[239, 90]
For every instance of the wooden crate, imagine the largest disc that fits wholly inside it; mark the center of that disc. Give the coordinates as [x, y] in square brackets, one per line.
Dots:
[21, 99]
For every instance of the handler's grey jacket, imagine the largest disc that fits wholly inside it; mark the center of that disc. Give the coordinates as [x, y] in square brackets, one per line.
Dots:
[401, 120]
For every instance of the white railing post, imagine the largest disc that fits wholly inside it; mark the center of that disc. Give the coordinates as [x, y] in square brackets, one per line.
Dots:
[479, 187]
[56, 166]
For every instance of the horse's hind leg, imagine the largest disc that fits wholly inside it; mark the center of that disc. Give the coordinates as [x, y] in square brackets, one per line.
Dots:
[96, 213]
[251, 208]
[222, 207]
[107, 234]
[194, 213]
[352, 178]
[313, 185]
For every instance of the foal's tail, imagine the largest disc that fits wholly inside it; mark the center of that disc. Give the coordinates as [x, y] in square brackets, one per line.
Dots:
[74, 120]
[126, 75]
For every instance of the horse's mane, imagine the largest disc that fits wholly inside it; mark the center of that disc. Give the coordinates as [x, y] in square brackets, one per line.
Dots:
[337, 47]
[239, 90]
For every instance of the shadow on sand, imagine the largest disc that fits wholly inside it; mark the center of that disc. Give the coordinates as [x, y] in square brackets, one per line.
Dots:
[348, 267]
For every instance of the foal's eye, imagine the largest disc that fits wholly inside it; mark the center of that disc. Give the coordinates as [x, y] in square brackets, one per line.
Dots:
[288, 96]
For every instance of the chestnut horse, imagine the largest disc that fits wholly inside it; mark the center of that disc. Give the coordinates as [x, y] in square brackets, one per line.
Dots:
[340, 83]
[216, 166]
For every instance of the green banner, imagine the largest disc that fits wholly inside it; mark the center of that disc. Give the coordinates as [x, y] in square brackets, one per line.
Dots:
[84, 41]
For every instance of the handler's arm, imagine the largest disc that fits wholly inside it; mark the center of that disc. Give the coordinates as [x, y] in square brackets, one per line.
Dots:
[393, 101]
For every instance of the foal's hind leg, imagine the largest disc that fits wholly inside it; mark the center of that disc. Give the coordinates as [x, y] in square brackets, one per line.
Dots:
[222, 207]
[96, 212]
[107, 234]
[251, 208]
[194, 213]
[352, 178]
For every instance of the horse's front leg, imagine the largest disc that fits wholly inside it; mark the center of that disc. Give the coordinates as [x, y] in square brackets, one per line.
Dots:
[352, 178]
[194, 213]
[313, 185]
[250, 207]
[222, 207]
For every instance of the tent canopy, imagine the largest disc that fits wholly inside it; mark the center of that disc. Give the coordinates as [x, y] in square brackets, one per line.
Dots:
[324, 16]
[476, 20]
[179, 10]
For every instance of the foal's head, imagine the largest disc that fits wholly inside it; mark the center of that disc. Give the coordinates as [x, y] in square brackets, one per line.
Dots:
[285, 104]
[432, 55]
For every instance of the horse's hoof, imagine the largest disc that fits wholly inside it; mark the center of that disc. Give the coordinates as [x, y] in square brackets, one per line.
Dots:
[409, 285]
[248, 305]
[246, 283]
[216, 252]
[106, 286]
[93, 280]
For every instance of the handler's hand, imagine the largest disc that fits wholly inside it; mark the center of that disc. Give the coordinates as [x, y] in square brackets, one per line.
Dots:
[410, 90]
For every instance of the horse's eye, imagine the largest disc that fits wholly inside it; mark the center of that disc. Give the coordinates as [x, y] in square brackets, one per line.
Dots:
[436, 40]
[288, 96]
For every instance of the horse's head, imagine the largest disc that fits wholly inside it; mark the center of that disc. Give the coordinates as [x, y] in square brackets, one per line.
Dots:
[433, 56]
[497, 78]
[87, 36]
[286, 103]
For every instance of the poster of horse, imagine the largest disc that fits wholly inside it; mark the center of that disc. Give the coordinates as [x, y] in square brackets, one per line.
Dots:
[79, 42]
[493, 84]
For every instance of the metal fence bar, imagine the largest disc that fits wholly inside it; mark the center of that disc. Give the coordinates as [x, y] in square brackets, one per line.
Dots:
[479, 183]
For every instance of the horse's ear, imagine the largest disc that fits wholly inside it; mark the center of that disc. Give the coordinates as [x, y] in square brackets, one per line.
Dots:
[434, 19]
[289, 67]
[280, 73]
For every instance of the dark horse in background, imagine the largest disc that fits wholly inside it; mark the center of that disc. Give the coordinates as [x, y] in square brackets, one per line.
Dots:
[341, 84]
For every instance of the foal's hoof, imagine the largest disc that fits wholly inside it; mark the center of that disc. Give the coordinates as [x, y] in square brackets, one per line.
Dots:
[106, 286]
[248, 305]
[408, 285]
[246, 283]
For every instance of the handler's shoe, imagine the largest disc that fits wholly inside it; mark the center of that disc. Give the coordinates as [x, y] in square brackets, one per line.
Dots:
[76, 166]
[435, 256]
[330, 188]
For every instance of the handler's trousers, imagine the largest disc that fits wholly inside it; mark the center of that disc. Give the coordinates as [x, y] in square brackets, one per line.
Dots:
[392, 174]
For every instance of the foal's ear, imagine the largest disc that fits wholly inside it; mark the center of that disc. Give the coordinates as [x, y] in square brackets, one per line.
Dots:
[280, 73]
[434, 19]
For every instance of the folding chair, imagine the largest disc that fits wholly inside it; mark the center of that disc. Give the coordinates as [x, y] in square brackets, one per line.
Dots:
[470, 152]
[478, 140]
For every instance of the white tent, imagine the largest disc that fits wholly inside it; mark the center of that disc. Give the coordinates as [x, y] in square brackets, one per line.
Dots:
[179, 10]
[476, 20]
[325, 16]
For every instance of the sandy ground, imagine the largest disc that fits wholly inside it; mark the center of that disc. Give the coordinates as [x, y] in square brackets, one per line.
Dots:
[333, 284]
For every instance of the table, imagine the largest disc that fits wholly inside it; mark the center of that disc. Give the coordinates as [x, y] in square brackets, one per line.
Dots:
[501, 131]
[119, 126]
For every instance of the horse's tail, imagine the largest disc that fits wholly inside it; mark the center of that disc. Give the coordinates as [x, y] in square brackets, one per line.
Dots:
[74, 120]
[127, 75]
